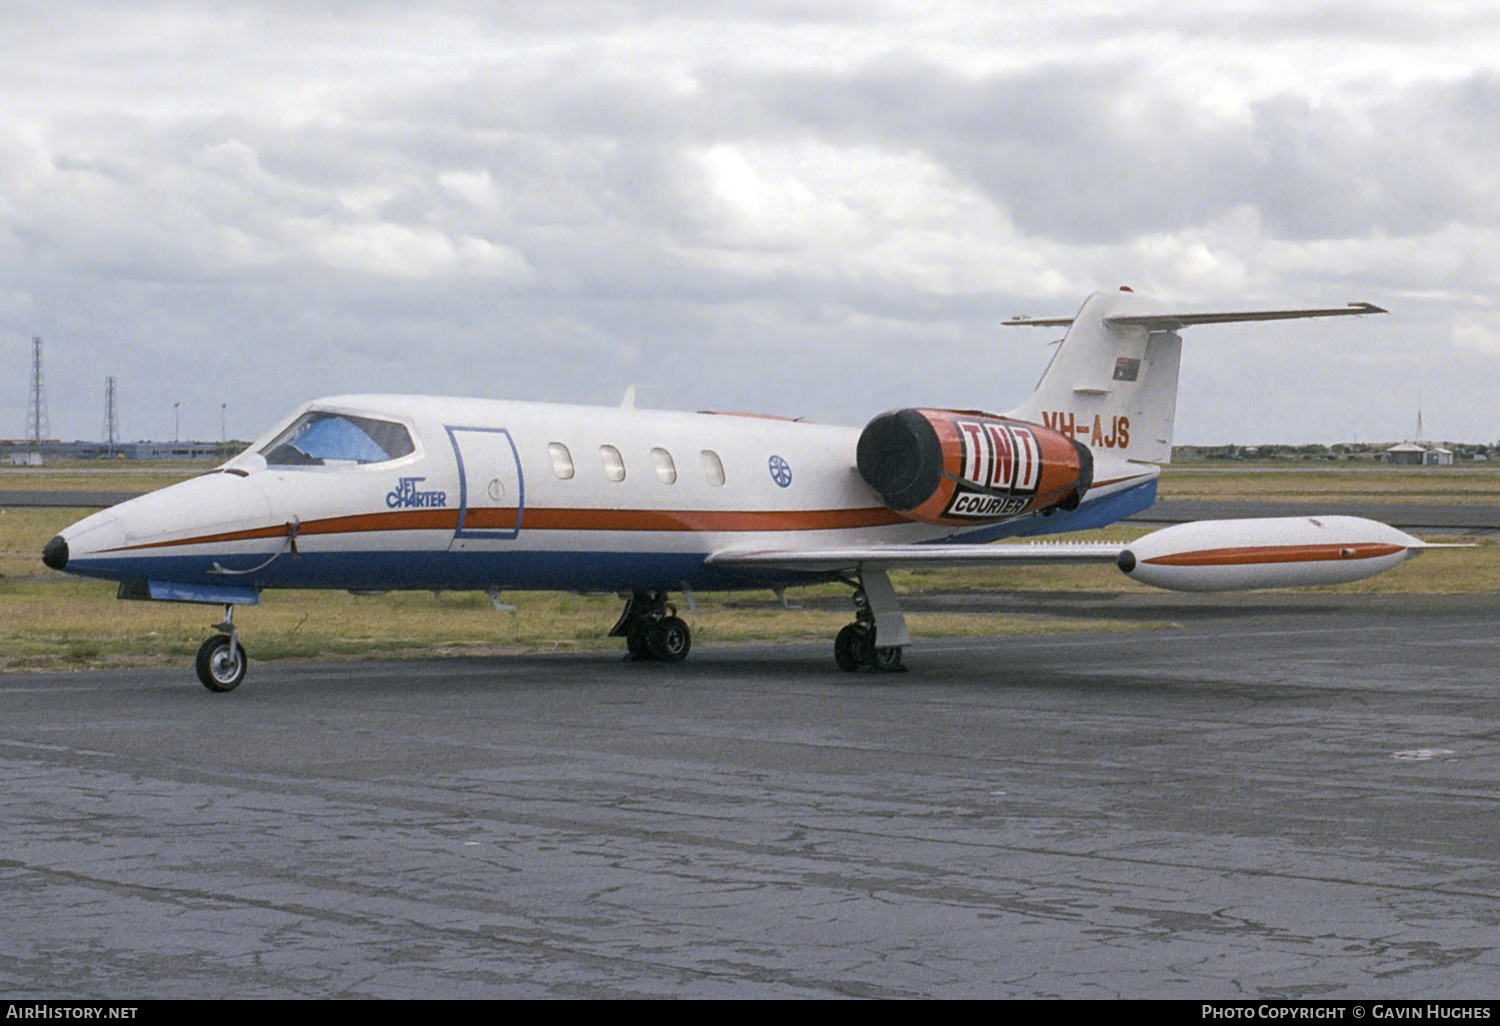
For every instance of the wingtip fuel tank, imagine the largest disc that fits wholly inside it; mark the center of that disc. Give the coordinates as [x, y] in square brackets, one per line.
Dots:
[1273, 552]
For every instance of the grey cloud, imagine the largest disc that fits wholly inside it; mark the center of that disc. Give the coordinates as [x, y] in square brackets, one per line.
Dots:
[1338, 24]
[1060, 150]
[1408, 165]
[1190, 24]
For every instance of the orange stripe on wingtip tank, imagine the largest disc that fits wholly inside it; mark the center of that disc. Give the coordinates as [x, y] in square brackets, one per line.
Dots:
[1276, 554]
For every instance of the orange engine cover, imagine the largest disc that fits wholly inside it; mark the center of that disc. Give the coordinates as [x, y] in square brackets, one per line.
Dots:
[951, 467]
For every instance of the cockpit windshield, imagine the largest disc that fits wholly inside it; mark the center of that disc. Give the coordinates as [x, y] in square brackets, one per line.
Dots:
[320, 439]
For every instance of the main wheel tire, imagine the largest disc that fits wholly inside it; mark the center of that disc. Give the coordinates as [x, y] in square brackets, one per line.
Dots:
[670, 640]
[221, 668]
[888, 660]
[853, 647]
[638, 641]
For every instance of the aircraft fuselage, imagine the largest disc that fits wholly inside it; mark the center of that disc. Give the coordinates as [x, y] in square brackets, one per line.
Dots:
[515, 495]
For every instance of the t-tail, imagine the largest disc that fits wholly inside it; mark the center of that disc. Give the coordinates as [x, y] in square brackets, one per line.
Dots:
[1098, 426]
[1112, 384]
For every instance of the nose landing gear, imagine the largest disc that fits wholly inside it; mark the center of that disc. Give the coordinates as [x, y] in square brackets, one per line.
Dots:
[221, 659]
[652, 630]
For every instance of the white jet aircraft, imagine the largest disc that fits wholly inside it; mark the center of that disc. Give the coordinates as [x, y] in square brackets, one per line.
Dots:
[371, 493]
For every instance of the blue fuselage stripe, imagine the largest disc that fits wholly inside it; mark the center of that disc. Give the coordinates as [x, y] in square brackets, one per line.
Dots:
[457, 571]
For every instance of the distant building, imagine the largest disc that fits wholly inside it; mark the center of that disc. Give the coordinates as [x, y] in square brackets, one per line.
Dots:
[1407, 454]
[153, 450]
[1412, 454]
[121, 450]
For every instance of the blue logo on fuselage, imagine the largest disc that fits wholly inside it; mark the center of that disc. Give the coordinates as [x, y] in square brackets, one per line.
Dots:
[781, 471]
[406, 496]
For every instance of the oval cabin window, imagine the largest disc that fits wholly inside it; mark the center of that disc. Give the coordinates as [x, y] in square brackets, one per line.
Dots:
[665, 468]
[614, 463]
[713, 467]
[562, 460]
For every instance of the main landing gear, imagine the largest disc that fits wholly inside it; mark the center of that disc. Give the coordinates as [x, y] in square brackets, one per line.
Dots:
[651, 629]
[221, 659]
[856, 648]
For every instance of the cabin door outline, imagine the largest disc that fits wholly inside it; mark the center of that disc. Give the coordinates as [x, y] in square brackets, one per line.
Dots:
[491, 489]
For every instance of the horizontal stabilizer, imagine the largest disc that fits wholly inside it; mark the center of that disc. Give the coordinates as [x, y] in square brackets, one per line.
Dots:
[1174, 321]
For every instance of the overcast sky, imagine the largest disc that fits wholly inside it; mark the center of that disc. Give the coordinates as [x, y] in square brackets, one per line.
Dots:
[815, 209]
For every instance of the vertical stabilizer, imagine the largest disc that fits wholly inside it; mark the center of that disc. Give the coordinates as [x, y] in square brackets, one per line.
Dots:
[1111, 386]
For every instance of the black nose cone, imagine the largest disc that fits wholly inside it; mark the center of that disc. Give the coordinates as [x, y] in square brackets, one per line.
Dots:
[55, 553]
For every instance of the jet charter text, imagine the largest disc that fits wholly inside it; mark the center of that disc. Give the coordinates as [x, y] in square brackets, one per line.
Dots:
[1337, 1011]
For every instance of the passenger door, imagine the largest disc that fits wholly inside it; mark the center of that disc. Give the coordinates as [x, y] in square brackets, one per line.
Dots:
[491, 493]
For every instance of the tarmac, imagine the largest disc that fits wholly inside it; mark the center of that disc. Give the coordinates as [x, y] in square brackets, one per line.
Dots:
[1254, 797]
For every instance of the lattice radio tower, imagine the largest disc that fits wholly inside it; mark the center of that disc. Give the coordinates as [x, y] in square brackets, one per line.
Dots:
[111, 414]
[37, 427]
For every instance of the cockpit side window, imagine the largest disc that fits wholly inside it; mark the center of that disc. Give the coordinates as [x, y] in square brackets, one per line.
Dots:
[319, 439]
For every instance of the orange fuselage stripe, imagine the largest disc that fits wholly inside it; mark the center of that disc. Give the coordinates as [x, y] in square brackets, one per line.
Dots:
[550, 519]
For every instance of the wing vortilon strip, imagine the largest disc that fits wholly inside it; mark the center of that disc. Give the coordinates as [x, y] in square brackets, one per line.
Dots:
[886, 557]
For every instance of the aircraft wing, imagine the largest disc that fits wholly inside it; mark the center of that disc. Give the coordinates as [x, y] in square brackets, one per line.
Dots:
[891, 557]
[1174, 321]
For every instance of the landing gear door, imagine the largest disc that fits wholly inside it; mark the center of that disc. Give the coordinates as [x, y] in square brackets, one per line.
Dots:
[491, 495]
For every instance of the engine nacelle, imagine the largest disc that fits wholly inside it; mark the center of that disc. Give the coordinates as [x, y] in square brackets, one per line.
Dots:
[955, 468]
[1275, 552]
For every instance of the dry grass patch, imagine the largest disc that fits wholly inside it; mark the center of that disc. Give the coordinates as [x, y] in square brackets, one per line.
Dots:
[99, 477]
[66, 623]
[1340, 484]
[23, 532]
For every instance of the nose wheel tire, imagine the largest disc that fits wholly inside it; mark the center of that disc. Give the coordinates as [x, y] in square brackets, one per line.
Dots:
[221, 663]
